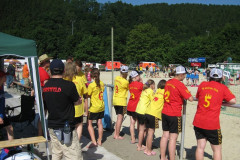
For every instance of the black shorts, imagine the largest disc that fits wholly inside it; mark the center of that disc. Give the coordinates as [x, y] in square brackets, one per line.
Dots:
[6, 122]
[141, 118]
[172, 124]
[151, 121]
[213, 136]
[133, 114]
[95, 116]
[78, 120]
[120, 109]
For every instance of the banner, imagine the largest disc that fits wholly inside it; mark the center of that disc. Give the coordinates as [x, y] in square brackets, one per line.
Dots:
[198, 60]
[196, 64]
[201, 59]
[107, 119]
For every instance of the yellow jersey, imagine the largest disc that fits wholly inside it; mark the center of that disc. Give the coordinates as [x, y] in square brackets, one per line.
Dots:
[81, 89]
[120, 91]
[156, 106]
[96, 95]
[81, 74]
[144, 102]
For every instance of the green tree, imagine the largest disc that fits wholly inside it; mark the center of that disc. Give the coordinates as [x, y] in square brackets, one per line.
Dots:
[141, 40]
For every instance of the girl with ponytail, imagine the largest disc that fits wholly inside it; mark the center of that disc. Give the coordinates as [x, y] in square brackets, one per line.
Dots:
[144, 102]
[135, 89]
[71, 74]
[120, 94]
[96, 110]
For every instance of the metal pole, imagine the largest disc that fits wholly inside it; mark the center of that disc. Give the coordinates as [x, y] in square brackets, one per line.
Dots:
[112, 88]
[183, 129]
[112, 54]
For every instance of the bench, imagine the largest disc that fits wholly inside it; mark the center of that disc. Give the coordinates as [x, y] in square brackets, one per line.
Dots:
[22, 141]
[22, 87]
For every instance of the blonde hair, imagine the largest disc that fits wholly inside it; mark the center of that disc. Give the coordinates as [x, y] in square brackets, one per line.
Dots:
[70, 71]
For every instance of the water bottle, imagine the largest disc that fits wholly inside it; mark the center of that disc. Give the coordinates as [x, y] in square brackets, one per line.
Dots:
[66, 133]
[66, 128]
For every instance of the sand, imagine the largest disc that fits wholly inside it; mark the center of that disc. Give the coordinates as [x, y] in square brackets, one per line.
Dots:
[122, 149]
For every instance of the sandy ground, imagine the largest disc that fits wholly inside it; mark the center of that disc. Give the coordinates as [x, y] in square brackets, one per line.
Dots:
[230, 126]
[122, 149]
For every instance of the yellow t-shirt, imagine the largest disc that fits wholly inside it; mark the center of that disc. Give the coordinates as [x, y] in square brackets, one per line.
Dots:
[120, 91]
[81, 74]
[81, 89]
[156, 106]
[96, 93]
[144, 101]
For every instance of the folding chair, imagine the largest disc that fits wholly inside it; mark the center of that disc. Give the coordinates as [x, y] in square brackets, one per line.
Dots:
[22, 123]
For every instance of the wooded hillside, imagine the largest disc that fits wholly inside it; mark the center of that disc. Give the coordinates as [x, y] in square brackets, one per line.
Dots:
[155, 32]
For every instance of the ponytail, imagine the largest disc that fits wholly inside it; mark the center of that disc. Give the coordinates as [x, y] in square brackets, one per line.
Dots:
[96, 75]
[130, 79]
[148, 84]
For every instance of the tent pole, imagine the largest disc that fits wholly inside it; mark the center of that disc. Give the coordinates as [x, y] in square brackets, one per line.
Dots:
[39, 100]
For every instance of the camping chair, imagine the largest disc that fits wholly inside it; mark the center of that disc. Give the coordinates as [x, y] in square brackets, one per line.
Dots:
[22, 122]
[27, 110]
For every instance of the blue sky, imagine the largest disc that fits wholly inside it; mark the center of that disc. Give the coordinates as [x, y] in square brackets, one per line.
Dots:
[139, 2]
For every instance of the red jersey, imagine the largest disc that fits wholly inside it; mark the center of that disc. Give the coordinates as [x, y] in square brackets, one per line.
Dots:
[210, 97]
[43, 75]
[135, 89]
[175, 93]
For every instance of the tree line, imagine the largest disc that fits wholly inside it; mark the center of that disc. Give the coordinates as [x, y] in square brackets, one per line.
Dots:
[154, 32]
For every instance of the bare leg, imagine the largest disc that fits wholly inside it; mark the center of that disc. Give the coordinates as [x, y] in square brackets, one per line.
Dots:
[86, 106]
[172, 145]
[91, 132]
[149, 140]
[201, 144]
[163, 144]
[132, 129]
[217, 152]
[9, 132]
[140, 136]
[79, 127]
[118, 127]
[100, 132]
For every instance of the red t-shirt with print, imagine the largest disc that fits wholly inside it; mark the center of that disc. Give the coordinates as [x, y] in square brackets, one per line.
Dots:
[210, 97]
[135, 89]
[175, 93]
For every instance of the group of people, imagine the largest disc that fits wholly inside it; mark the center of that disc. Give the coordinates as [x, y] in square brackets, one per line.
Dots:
[192, 78]
[147, 107]
[66, 92]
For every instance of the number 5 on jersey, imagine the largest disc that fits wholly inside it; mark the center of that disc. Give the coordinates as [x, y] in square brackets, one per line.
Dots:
[207, 100]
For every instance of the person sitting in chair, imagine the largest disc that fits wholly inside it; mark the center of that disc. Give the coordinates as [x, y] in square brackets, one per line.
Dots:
[4, 121]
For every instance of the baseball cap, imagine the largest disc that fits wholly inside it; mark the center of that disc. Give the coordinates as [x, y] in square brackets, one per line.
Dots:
[56, 64]
[180, 70]
[124, 69]
[217, 72]
[134, 74]
[2, 73]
